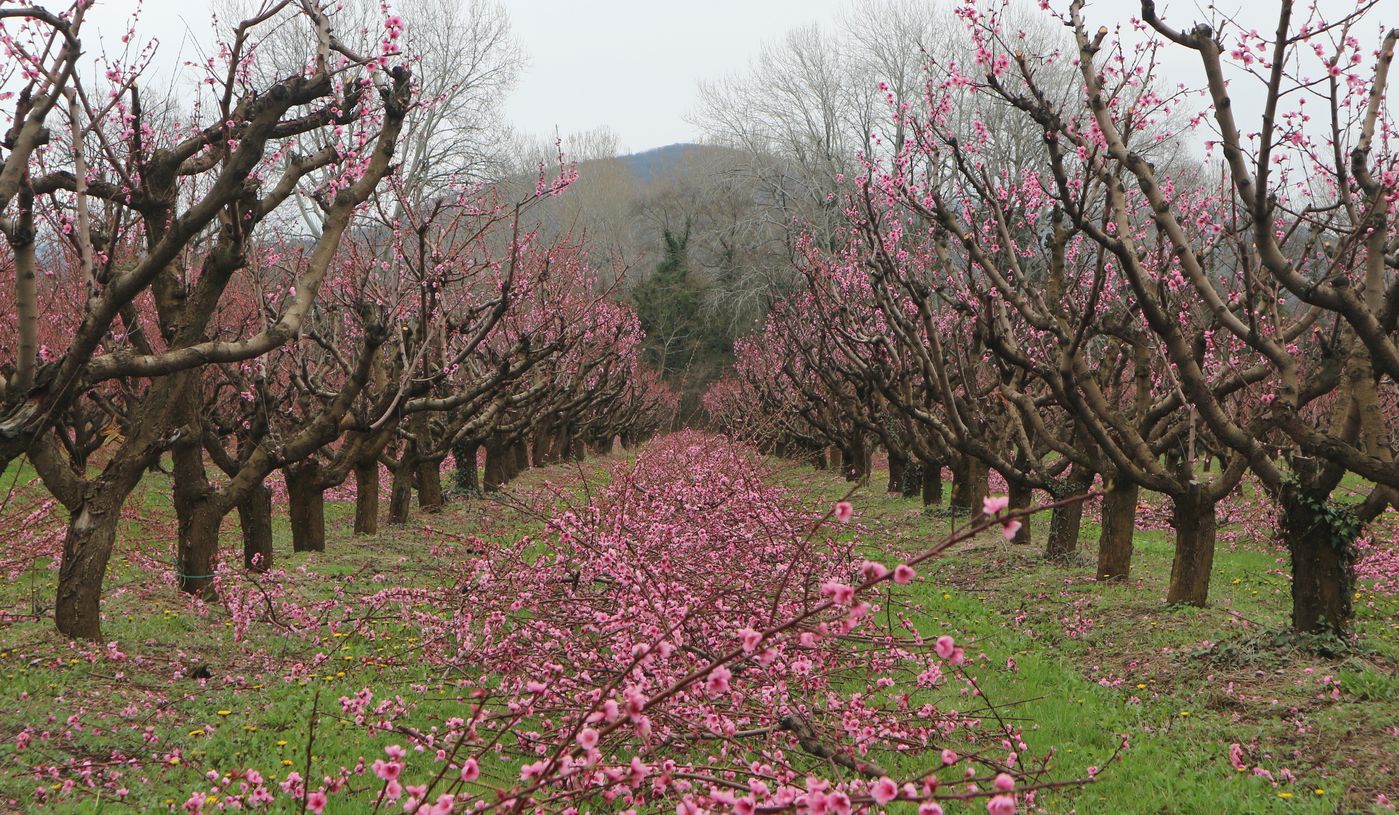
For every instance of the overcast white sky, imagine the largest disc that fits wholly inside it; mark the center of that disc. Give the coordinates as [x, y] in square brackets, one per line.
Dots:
[635, 65]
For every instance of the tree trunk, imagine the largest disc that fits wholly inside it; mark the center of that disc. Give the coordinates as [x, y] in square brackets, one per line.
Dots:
[521, 451]
[1119, 524]
[255, 519]
[1065, 522]
[197, 519]
[467, 478]
[1020, 498]
[539, 446]
[401, 491]
[92, 532]
[198, 549]
[1322, 572]
[496, 468]
[430, 486]
[818, 458]
[367, 498]
[969, 484]
[932, 483]
[1194, 521]
[897, 467]
[306, 508]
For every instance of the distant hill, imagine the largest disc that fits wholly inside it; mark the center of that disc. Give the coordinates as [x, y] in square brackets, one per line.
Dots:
[657, 161]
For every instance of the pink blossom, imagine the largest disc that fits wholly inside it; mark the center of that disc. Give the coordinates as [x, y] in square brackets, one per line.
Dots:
[903, 573]
[718, 682]
[316, 802]
[843, 511]
[944, 646]
[873, 570]
[994, 504]
[840, 593]
[1001, 805]
[588, 738]
[1004, 782]
[930, 808]
[1010, 528]
[884, 790]
[470, 771]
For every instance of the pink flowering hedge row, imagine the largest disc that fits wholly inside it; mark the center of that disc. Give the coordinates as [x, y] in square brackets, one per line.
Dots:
[690, 640]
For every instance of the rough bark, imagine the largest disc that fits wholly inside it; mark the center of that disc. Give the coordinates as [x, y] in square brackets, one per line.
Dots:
[306, 508]
[1066, 520]
[198, 549]
[932, 483]
[430, 485]
[467, 480]
[255, 519]
[1021, 497]
[1322, 566]
[497, 456]
[1193, 517]
[1119, 524]
[897, 468]
[969, 484]
[92, 532]
[198, 519]
[401, 491]
[367, 498]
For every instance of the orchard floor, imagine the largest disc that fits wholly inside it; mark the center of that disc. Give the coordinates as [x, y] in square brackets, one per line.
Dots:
[1080, 663]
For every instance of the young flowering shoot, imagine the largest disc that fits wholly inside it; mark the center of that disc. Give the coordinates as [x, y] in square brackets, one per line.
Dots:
[995, 505]
[717, 683]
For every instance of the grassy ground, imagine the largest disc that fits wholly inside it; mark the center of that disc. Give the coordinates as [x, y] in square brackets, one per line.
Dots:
[1093, 662]
[1082, 664]
[183, 694]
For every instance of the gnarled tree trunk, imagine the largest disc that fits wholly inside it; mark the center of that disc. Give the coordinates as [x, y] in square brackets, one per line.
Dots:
[898, 465]
[467, 479]
[1020, 498]
[1323, 576]
[401, 490]
[1119, 524]
[430, 485]
[932, 483]
[969, 484]
[1192, 514]
[92, 532]
[255, 519]
[499, 459]
[367, 498]
[198, 519]
[306, 508]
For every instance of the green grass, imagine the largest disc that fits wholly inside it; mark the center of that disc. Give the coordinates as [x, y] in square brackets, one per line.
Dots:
[227, 721]
[1159, 675]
